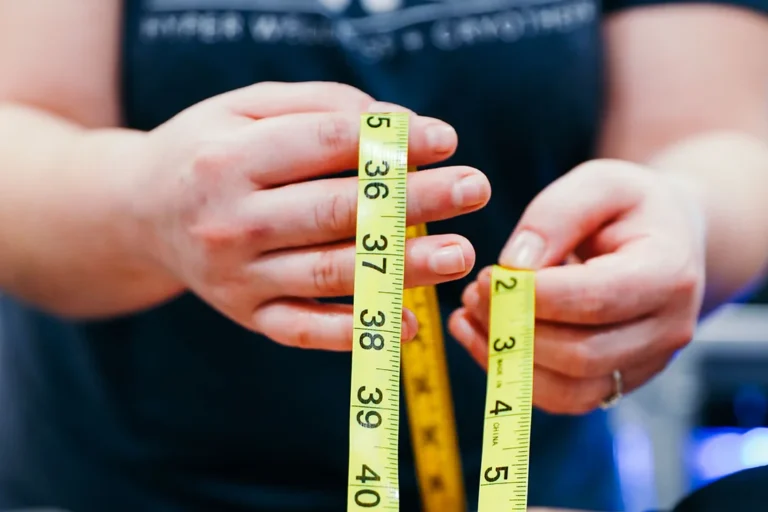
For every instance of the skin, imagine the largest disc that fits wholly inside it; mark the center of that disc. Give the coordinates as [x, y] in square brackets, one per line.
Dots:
[676, 195]
[142, 217]
[198, 203]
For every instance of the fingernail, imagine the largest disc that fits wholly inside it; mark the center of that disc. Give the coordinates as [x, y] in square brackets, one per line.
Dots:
[441, 138]
[409, 318]
[448, 260]
[470, 191]
[524, 251]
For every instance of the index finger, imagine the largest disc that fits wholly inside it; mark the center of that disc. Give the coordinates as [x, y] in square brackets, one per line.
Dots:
[297, 147]
[270, 99]
[612, 288]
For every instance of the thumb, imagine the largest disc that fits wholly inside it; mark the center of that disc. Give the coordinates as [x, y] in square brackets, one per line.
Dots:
[570, 210]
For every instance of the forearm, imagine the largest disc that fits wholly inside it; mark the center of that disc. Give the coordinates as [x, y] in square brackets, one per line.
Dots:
[69, 243]
[728, 174]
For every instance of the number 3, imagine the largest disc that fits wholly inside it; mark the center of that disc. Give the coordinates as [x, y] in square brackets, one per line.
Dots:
[508, 345]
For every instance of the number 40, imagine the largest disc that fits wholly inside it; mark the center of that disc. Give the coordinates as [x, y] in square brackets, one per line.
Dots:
[367, 498]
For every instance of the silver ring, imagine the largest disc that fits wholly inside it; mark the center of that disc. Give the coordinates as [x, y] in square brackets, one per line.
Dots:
[618, 388]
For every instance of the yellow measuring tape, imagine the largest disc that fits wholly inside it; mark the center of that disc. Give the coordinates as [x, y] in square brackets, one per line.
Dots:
[376, 356]
[430, 408]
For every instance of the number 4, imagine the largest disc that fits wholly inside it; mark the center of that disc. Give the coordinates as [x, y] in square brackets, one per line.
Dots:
[500, 407]
[368, 475]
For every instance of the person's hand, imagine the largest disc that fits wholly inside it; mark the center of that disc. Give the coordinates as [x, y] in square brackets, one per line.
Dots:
[628, 303]
[233, 210]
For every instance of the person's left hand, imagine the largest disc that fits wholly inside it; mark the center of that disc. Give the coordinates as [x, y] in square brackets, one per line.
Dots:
[630, 301]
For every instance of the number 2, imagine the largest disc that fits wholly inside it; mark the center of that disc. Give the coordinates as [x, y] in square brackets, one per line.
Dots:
[500, 286]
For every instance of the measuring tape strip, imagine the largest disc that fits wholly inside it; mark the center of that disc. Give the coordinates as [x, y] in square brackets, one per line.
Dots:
[373, 481]
[430, 407]
[378, 302]
[507, 424]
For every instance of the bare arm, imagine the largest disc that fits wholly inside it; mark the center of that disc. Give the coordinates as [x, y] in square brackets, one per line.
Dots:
[66, 243]
[689, 86]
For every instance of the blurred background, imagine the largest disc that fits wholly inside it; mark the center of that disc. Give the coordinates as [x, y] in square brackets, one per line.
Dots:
[706, 416]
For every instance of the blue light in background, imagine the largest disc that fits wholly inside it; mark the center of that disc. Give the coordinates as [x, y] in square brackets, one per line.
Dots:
[717, 452]
[754, 448]
[634, 457]
[714, 452]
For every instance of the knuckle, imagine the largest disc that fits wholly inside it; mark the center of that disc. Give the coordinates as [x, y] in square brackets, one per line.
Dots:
[602, 169]
[558, 404]
[327, 275]
[594, 302]
[212, 158]
[594, 172]
[350, 94]
[470, 296]
[597, 394]
[303, 336]
[681, 335]
[574, 400]
[336, 132]
[418, 206]
[214, 237]
[255, 231]
[258, 322]
[565, 401]
[578, 396]
[583, 398]
[335, 214]
[584, 360]
[686, 283]
[612, 177]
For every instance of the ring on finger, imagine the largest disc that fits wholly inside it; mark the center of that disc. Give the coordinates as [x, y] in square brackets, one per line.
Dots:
[618, 391]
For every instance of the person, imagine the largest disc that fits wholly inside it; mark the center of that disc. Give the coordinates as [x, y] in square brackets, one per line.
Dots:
[177, 201]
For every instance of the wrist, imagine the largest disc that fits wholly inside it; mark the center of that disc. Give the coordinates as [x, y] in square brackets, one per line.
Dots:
[716, 170]
[692, 195]
[725, 173]
[124, 159]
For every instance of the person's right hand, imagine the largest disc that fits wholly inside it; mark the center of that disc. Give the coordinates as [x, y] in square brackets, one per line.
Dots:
[232, 211]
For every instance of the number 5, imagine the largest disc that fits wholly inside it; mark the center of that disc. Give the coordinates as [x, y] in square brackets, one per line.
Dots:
[497, 473]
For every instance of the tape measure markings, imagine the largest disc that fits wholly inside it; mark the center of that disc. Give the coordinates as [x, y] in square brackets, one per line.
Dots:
[507, 418]
[373, 479]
